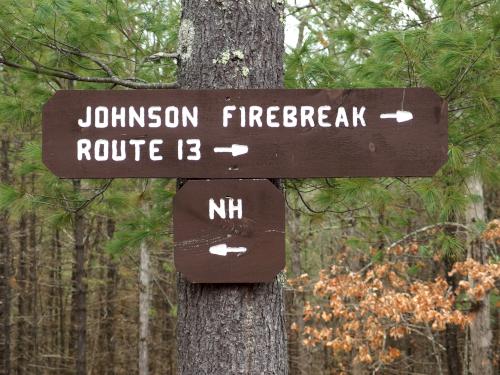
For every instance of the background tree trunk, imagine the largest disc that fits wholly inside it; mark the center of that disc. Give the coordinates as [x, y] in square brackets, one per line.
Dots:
[480, 328]
[229, 329]
[22, 342]
[451, 333]
[33, 281]
[110, 316]
[144, 304]
[295, 298]
[5, 274]
[79, 293]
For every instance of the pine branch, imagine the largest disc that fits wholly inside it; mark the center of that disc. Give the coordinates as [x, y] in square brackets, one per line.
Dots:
[315, 211]
[466, 71]
[47, 71]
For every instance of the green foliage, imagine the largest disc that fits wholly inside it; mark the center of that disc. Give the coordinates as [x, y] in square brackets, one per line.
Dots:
[8, 197]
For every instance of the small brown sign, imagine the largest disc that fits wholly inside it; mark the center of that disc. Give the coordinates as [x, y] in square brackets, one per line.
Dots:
[229, 231]
[245, 133]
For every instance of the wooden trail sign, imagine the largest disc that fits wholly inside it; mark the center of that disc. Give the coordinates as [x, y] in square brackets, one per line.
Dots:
[229, 231]
[245, 133]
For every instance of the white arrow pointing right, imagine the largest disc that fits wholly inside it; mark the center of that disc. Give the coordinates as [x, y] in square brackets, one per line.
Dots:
[235, 150]
[222, 249]
[400, 116]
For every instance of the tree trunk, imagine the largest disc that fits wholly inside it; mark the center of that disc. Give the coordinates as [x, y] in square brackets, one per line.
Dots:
[22, 341]
[53, 329]
[480, 329]
[5, 269]
[111, 288]
[61, 316]
[295, 298]
[229, 329]
[144, 304]
[78, 299]
[453, 358]
[33, 278]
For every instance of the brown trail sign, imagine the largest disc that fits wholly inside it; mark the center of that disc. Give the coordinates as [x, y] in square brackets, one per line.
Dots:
[229, 231]
[245, 133]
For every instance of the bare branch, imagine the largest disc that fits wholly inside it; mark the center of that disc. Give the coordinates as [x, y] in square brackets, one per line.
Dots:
[99, 193]
[162, 55]
[427, 228]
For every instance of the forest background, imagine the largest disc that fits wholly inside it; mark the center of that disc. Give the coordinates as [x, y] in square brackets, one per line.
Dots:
[387, 275]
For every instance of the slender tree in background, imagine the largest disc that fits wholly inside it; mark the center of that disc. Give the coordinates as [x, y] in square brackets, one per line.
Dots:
[295, 298]
[144, 307]
[5, 260]
[227, 329]
[481, 355]
[78, 336]
[144, 296]
[22, 343]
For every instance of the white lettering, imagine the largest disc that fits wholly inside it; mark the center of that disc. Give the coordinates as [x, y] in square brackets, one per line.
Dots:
[213, 208]
[358, 116]
[341, 118]
[233, 209]
[306, 116]
[83, 149]
[117, 116]
[271, 117]
[289, 116]
[255, 116]
[322, 116]
[134, 117]
[137, 143]
[243, 119]
[169, 121]
[114, 151]
[101, 117]
[195, 149]
[238, 208]
[153, 150]
[226, 115]
[192, 117]
[101, 150]
[152, 114]
[88, 121]
[180, 146]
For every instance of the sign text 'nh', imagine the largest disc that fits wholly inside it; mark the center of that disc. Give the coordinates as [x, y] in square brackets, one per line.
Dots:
[229, 231]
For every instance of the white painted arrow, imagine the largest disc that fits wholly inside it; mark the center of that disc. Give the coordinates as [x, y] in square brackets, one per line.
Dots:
[222, 249]
[235, 150]
[400, 116]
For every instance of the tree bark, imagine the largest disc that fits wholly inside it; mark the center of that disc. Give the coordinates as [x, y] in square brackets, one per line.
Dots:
[453, 358]
[22, 341]
[33, 280]
[231, 329]
[79, 293]
[144, 304]
[110, 318]
[480, 329]
[5, 269]
[295, 298]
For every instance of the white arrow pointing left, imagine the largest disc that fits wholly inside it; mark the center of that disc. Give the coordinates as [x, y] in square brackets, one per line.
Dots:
[235, 150]
[222, 249]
